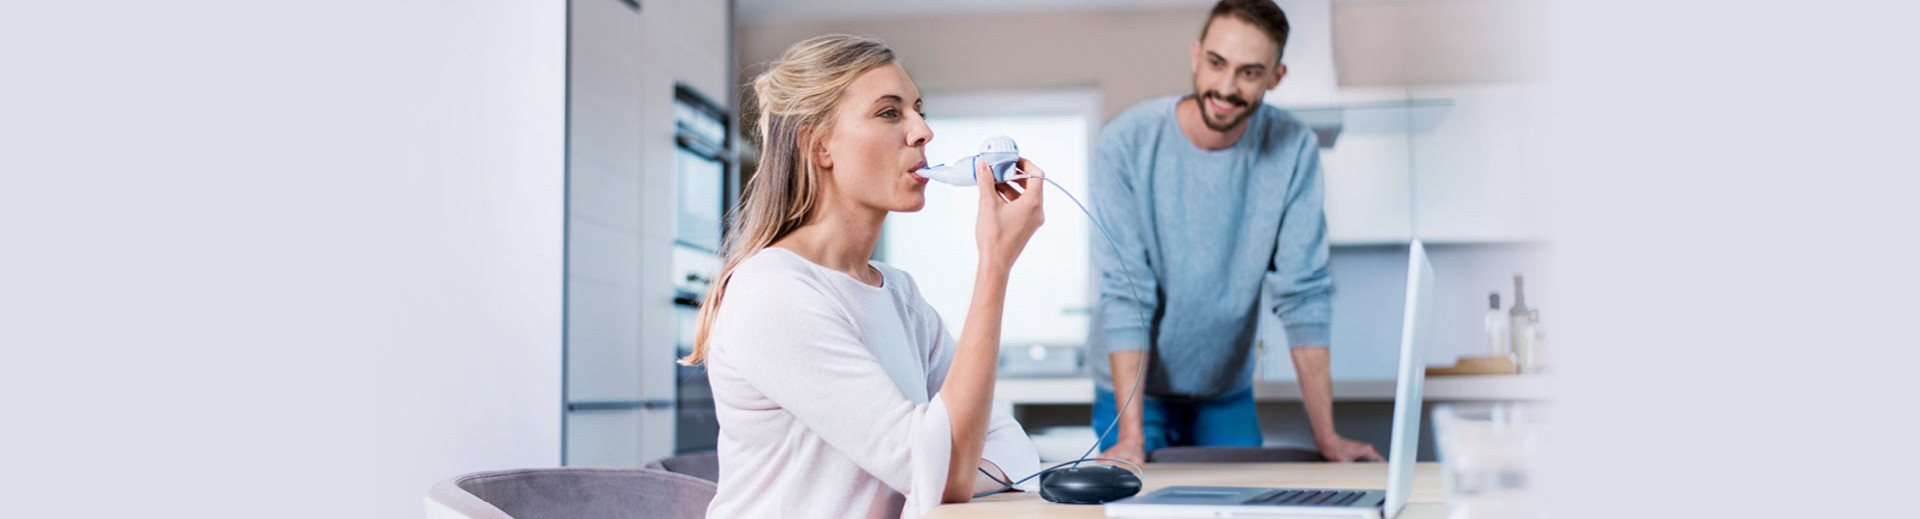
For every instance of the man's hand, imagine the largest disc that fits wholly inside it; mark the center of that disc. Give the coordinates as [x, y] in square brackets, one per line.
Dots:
[1344, 450]
[1134, 450]
[1316, 393]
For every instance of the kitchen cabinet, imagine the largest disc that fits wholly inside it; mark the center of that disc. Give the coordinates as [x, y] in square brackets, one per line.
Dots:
[622, 322]
[1444, 164]
[1369, 197]
[1476, 175]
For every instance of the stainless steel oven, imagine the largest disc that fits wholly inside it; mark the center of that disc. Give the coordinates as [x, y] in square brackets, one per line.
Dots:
[705, 193]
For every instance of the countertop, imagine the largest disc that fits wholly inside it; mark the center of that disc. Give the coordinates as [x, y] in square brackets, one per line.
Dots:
[1079, 390]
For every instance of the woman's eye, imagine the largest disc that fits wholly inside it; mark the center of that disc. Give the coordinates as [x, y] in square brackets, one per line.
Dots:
[890, 113]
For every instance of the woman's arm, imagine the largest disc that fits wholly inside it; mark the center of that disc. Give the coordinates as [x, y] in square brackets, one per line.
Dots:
[1008, 218]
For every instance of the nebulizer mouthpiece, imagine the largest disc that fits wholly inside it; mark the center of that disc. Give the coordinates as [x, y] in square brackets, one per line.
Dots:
[997, 151]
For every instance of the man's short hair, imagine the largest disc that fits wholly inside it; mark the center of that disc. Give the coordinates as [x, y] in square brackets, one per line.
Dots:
[1262, 14]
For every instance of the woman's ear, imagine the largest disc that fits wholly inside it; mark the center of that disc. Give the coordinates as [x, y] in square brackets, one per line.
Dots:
[818, 152]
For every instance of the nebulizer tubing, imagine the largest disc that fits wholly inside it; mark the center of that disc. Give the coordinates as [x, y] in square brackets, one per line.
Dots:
[995, 150]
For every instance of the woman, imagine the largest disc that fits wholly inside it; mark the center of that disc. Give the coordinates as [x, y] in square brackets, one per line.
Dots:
[839, 392]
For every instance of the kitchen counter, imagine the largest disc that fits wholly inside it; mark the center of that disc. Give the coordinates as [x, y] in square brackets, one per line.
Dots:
[1079, 390]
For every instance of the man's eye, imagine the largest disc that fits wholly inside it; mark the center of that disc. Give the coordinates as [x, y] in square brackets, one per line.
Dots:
[1249, 73]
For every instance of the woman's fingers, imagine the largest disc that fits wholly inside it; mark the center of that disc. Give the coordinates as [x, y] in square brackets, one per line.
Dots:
[1012, 190]
[1032, 187]
[1007, 191]
[1030, 168]
[983, 175]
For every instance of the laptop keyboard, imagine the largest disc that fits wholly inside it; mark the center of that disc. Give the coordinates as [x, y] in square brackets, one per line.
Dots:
[1308, 497]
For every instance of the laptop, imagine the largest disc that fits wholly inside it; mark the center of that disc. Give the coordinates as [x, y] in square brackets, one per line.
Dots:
[1229, 502]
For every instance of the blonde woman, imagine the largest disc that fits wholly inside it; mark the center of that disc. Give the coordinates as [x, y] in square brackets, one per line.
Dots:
[839, 391]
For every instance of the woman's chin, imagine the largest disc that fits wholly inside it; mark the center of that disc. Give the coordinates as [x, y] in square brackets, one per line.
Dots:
[913, 205]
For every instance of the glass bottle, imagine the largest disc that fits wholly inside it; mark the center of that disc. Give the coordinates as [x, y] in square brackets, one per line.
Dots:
[1498, 342]
[1519, 320]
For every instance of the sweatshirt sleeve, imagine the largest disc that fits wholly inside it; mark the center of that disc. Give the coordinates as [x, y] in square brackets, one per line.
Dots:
[1128, 288]
[799, 349]
[1009, 448]
[1300, 285]
[1007, 445]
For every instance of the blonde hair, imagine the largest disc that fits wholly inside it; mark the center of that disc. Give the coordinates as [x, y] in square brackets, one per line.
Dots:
[795, 101]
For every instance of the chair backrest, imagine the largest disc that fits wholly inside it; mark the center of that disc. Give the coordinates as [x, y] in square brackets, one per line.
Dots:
[703, 465]
[574, 493]
[1231, 455]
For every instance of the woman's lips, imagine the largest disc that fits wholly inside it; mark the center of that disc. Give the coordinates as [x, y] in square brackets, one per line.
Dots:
[914, 171]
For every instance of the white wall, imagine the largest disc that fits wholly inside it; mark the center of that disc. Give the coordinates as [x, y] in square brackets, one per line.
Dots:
[1129, 56]
[276, 260]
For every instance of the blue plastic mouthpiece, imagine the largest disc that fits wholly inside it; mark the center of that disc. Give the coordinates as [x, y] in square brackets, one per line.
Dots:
[998, 151]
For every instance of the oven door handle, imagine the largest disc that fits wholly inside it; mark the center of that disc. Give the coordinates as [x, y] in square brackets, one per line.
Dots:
[686, 299]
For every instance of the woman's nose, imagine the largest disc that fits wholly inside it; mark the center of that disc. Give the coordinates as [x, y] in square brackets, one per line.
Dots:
[919, 134]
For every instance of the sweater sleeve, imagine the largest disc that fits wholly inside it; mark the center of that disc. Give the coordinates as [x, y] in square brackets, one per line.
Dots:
[799, 349]
[1009, 448]
[1300, 286]
[1127, 286]
[1007, 444]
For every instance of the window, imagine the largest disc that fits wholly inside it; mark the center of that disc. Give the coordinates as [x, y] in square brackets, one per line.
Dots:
[1049, 295]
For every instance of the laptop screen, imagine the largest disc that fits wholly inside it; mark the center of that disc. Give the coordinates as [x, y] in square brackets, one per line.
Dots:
[1412, 377]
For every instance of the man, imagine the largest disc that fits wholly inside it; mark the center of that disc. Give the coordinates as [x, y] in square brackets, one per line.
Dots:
[1214, 197]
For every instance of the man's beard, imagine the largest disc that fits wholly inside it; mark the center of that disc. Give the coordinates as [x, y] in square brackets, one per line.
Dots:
[1206, 113]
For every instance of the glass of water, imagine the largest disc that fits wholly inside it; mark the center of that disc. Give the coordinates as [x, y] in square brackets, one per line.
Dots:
[1491, 454]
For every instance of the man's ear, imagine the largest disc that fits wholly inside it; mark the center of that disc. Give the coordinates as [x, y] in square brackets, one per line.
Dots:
[1193, 61]
[1279, 71]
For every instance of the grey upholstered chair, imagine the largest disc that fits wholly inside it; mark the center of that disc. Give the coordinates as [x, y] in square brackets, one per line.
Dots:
[1231, 455]
[703, 465]
[571, 493]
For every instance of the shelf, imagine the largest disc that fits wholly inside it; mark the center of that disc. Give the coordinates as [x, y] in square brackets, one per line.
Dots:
[1444, 242]
[1384, 117]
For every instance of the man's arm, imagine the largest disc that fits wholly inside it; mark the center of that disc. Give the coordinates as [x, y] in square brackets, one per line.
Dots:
[1130, 441]
[1310, 363]
[1128, 290]
[1300, 287]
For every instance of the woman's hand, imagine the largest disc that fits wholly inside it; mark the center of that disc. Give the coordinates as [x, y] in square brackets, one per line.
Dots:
[1008, 216]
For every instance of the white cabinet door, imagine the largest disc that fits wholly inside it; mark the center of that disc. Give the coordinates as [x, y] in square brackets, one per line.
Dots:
[1368, 197]
[1476, 173]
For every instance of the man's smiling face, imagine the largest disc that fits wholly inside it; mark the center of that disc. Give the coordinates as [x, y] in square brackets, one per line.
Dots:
[1234, 65]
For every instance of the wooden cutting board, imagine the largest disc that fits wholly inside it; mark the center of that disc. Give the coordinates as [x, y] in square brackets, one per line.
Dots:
[1477, 366]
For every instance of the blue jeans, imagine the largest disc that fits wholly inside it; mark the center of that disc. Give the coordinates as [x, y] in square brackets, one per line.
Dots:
[1225, 421]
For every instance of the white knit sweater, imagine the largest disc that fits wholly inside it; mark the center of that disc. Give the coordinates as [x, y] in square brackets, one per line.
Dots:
[827, 393]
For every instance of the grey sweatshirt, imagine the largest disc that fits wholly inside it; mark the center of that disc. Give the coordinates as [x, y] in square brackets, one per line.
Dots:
[1202, 233]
